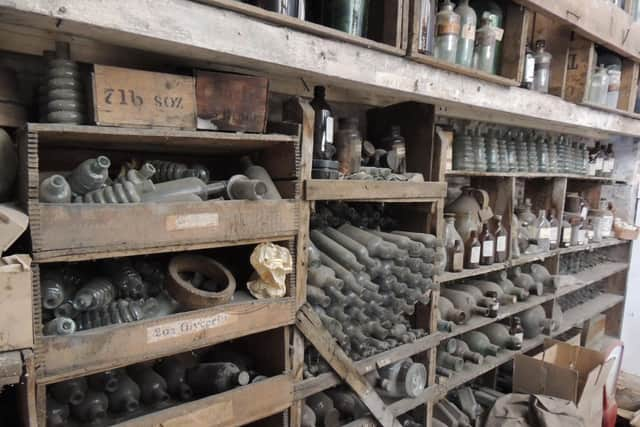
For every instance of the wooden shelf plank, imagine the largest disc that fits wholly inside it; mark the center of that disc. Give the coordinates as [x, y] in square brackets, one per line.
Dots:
[593, 275]
[592, 246]
[586, 311]
[379, 191]
[536, 175]
[236, 407]
[100, 349]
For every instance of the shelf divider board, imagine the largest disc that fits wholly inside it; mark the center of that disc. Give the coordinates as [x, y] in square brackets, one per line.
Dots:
[375, 191]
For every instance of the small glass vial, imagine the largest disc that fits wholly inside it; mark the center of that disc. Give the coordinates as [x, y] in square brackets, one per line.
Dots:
[472, 250]
[516, 331]
[554, 230]
[487, 240]
[427, 27]
[542, 72]
[485, 52]
[501, 240]
[457, 257]
[453, 244]
[466, 41]
[599, 86]
[348, 146]
[542, 226]
[447, 33]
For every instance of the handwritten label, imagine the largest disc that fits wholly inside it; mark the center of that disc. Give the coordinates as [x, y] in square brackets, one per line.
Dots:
[189, 221]
[180, 328]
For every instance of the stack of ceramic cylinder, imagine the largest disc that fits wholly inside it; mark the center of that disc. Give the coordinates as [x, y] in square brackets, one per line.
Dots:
[112, 396]
[363, 284]
[61, 96]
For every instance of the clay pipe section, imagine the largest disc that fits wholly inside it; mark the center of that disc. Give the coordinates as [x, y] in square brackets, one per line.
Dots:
[189, 296]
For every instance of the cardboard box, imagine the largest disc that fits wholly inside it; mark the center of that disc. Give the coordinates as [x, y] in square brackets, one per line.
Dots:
[126, 97]
[232, 102]
[569, 372]
[16, 303]
[594, 332]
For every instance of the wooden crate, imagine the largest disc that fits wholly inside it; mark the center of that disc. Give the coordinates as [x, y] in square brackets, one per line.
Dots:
[517, 20]
[127, 97]
[16, 310]
[557, 37]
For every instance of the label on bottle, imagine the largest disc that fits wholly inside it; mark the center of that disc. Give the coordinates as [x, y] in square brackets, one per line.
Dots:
[608, 165]
[566, 236]
[328, 128]
[529, 68]
[447, 28]
[590, 234]
[499, 33]
[468, 32]
[474, 258]
[544, 233]
[582, 237]
[458, 261]
[553, 235]
[591, 170]
[606, 224]
[518, 339]
[599, 164]
[487, 248]
[501, 244]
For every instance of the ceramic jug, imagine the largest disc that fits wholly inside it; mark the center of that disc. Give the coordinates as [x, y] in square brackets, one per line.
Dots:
[469, 207]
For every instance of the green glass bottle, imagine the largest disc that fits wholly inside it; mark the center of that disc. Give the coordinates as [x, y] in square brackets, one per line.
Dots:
[350, 16]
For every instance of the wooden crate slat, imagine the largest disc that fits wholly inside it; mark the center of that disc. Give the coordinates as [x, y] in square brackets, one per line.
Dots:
[378, 191]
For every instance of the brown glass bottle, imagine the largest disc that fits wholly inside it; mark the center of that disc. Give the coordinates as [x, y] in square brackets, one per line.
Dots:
[457, 257]
[472, 251]
[501, 241]
[554, 230]
[516, 332]
[488, 242]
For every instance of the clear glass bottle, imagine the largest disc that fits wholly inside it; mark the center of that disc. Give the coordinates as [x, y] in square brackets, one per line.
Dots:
[522, 152]
[552, 148]
[501, 240]
[542, 72]
[595, 221]
[613, 91]
[453, 244]
[596, 160]
[472, 250]
[323, 147]
[515, 230]
[503, 152]
[526, 215]
[427, 27]
[512, 152]
[467, 37]
[485, 47]
[589, 232]
[554, 229]
[491, 148]
[532, 148]
[447, 33]
[491, 7]
[543, 154]
[609, 162]
[563, 166]
[396, 148]
[487, 240]
[543, 228]
[348, 145]
[599, 86]
[582, 167]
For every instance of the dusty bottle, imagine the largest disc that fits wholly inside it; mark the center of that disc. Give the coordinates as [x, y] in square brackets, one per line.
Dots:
[174, 372]
[258, 173]
[217, 377]
[348, 143]
[415, 249]
[528, 69]
[71, 391]
[59, 326]
[500, 278]
[187, 187]
[610, 161]
[452, 242]
[462, 350]
[348, 403]
[466, 40]
[324, 278]
[465, 302]
[323, 147]
[588, 231]
[599, 86]
[487, 287]
[499, 335]
[516, 331]
[372, 265]
[534, 322]
[55, 189]
[126, 398]
[484, 57]
[98, 292]
[57, 413]
[308, 417]
[447, 33]
[93, 408]
[402, 379]
[487, 299]
[501, 240]
[478, 342]
[153, 388]
[105, 381]
[542, 69]
[90, 175]
[543, 231]
[349, 16]
[554, 230]
[526, 282]
[449, 361]
[337, 252]
[450, 313]
[487, 242]
[324, 409]
[473, 251]
[565, 235]
[375, 245]
[613, 92]
[427, 27]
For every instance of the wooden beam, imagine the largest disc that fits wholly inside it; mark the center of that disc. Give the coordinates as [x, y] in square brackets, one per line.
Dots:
[184, 29]
[312, 328]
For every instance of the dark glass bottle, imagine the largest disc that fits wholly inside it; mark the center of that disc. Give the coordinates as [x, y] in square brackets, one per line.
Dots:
[457, 257]
[396, 150]
[565, 235]
[487, 240]
[554, 230]
[516, 332]
[501, 241]
[472, 251]
[323, 147]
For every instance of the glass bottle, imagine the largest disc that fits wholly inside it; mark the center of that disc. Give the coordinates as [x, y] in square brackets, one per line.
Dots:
[512, 152]
[472, 250]
[427, 27]
[543, 154]
[447, 33]
[596, 160]
[463, 154]
[526, 215]
[323, 147]
[542, 227]
[532, 148]
[552, 149]
[485, 46]
[453, 244]
[589, 233]
[487, 240]
[522, 153]
[479, 152]
[467, 37]
[491, 148]
[529, 69]
[554, 229]
[542, 72]
[613, 91]
[609, 162]
[595, 221]
[565, 235]
[396, 148]
[563, 166]
[503, 152]
[348, 145]
[582, 167]
[294, 8]
[350, 16]
[491, 7]
[515, 229]
[501, 241]
[516, 331]
[599, 86]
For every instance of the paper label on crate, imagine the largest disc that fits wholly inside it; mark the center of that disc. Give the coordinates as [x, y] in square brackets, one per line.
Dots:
[501, 244]
[487, 248]
[180, 328]
[189, 221]
[475, 255]
[468, 32]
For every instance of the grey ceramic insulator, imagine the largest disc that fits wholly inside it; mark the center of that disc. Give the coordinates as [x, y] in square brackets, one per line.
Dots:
[216, 377]
[480, 343]
[525, 281]
[107, 381]
[534, 322]
[372, 265]
[118, 192]
[308, 417]
[239, 187]
[450, 313]
[124, 277]
[57, 413]
[501, 279]
[348, 403]
[323, 407]
[60, 326]
[259, 173]
[139, 176]
[316, 296]
[402, 379]
[465, 302]
[336, 251]
[70, 391]
[54, 289]
[486, 286]
[184, 187]
[498, 334]
[159, 306]
[375, 245]
[92, 409]
[98, 292]
[169, 171]
[9, 169]
[117, 312]
[174, 371]
[153, 388]
[450, 361]
[65, 310]
[126, 398]
[90, 175]
[323, 277]
[62, 93]
[55, 189]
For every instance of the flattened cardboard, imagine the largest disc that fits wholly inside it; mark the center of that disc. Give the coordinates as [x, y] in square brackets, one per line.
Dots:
[16, 307]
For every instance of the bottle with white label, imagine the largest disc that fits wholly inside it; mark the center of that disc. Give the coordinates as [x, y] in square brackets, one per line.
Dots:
[529, 68]
[542, 72]
[554, 230]
[501, 240]
[453, 245]
[487, 242]
[516, 332]
[323, 126]
[565, 234]
[596, 160]
[466, 40]
[472, 250]
[447, 33]
[485, 46]
[543, 230]
[609, 162]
